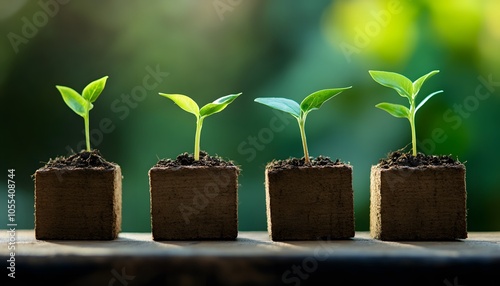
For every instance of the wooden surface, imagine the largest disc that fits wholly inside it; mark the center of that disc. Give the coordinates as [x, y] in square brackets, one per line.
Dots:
[253, 259]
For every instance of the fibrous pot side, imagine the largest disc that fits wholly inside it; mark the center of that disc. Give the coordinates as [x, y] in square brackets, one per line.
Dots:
[309, 202]
[419, 197]
[194, 199]
[78, 198]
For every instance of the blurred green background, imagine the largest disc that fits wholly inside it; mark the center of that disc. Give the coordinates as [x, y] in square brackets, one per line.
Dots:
[208, 49]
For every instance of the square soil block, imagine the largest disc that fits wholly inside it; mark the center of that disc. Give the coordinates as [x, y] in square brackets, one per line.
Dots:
[78, 203]
[194, 202]
[310, 202]
[418, 203]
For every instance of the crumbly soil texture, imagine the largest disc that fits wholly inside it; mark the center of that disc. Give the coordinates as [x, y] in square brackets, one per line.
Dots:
[320, 161]
[186, 159]
[406, 159]
[83, 159]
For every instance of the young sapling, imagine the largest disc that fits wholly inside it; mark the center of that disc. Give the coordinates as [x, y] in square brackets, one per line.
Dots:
[405, 88]
[82, 104]
[189, 105]
[312, 102]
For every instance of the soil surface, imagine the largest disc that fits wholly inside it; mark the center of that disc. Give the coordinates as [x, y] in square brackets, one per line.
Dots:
[400, 159]
[186, 159]
[300, 162]
[83, 159]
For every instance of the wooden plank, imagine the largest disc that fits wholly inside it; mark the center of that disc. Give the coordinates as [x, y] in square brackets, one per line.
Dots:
[253, 259]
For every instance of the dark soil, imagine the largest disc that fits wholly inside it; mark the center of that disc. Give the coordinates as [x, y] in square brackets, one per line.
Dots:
[186, 159]
[83, 159]
[406, 159]
[296, 162]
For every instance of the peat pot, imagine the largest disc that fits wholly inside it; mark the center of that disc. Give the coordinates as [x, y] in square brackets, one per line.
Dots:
[194, 200]
[309, 202]
[78, 198]
[426, 201]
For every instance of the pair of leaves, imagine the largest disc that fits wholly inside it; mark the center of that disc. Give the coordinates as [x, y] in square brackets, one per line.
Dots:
[405, 88]
[82, 104]
[189, 105]
[312, 102]
[400, 83]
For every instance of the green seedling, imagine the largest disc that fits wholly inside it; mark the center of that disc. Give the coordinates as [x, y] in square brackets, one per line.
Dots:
[312, 102]
[405, 88]
[82, 104]
[189, 105]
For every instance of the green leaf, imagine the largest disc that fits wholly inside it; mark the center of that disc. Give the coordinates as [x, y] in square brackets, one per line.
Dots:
[184, 102]
[395, 81]
[316, 99]
[218, 105]
[73, 99]
[418, 83]
[427, 98]
[395, 110]
[282, 104]
[92, 91]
